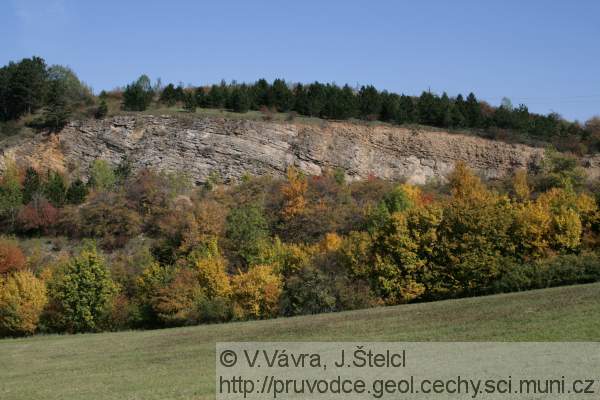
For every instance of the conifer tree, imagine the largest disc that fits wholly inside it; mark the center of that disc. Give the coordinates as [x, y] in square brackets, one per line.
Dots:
[189, 102]
[369, 101]
[55, 189]
[31, 185]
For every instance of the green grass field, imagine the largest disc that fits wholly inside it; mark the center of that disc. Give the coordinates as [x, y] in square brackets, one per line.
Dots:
[179, 363]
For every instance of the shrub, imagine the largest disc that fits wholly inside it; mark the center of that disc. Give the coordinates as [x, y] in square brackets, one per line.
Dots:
[211, 273]
[22, 299]
[32, 184]
[102, 176]
[294, 192]
[121, 314]
[11, 197]
[307, 291]
[179, 302]
[256, 293]
[199, 291]
[77, 192]
[39, 216]
[569, 269]
[246, 231]
[110, 218]
[102, 110]
[153, 279]
[267, 113]
[11, 256]
[560, 270]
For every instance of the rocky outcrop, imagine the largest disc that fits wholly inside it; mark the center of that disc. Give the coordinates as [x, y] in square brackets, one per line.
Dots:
[231, 148]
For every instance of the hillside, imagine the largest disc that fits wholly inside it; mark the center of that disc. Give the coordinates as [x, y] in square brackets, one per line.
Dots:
[229, 148]
[179, 363]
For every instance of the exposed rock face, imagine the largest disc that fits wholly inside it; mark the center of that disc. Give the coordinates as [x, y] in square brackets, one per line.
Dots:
[232, 148]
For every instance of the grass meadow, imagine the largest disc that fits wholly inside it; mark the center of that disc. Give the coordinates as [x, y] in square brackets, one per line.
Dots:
[179, 363]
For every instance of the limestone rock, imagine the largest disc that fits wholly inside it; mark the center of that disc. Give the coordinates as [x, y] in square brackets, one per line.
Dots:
[234, 147]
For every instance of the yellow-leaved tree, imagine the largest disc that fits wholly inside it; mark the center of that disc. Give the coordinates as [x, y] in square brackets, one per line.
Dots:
[198, 290]
[521, 188]
[256, 293]
[473, 236]
[294, 193]
[22, 299]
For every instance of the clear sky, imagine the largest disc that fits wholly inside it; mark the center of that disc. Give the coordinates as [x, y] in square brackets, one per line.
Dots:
[545, 54]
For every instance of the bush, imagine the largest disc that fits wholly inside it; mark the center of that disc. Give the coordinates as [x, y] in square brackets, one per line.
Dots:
[211, 273]
[102, 176]
[12, 258]
[122, 314]
[102, 110]
[39, 216]
[307, 291]
[22, 299]
[560, 270]
[179, 303]
[11, 196]
[110, 218]
[256, 293]
[152, 279]
[246, 231]
[201, 290]
[77, 192]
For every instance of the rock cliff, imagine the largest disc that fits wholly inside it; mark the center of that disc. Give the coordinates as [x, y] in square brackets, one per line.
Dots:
[234, 147]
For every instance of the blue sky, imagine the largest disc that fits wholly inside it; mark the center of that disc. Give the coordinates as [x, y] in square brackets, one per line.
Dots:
[541, 53]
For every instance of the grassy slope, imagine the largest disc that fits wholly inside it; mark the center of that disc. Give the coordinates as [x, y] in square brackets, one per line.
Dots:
[179, 363]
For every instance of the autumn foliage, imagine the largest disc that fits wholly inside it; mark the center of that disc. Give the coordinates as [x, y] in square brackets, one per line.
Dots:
[169, 254]
[22, 299]
[11, 256]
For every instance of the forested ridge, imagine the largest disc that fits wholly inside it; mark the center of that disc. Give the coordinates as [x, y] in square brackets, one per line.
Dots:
[47, 97]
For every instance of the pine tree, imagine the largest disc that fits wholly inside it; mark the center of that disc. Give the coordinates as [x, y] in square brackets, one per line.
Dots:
[217, 96]
[58, 111]
[23, 87]
[189, 102]
[426, 108]
[390, 106]
[168, 96]
[369, 101]
[281, 95]
[262, 93]
[315, 99]
[406, 110]
[55, 189]
[31, 185]
[201, 98]
[341, 103]
[240, 100]
[138, 95]
[445, 112]
[102, 110]
[473, 111]
[77, 192]
[301, 99]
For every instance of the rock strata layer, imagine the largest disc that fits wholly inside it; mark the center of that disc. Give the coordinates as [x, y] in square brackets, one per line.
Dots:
[231, 148]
